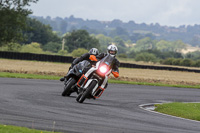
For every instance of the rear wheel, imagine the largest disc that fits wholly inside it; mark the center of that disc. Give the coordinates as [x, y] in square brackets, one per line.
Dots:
[82, 96]
[67, 88]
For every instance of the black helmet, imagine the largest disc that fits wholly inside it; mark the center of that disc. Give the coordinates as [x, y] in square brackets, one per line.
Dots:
[112, 50]
[94, 51]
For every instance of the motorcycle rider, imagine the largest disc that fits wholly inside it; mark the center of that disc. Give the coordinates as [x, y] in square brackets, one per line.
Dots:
[86, 56]
[111, 50]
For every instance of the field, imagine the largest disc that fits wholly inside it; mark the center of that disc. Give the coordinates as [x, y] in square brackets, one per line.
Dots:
[126, 74]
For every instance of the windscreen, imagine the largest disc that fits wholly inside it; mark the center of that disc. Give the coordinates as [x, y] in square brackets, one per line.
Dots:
[109, 60]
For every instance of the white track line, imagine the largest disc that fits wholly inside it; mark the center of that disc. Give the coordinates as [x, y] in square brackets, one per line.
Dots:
[152, 107]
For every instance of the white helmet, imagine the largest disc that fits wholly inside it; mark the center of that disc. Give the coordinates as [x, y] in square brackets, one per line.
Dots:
[94, 51]
[112, 50]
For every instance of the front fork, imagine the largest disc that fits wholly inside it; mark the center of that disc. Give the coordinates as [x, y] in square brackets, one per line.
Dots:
[99, 90]
[84, 82]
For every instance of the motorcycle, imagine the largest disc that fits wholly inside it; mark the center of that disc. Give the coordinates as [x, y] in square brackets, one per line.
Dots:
[73, 76]
[95, 79]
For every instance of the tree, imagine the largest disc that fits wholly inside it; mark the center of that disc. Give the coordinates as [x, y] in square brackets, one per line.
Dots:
[146, 57]
[195, 41]
[164, 46]
[40, 33]
[122, 33]
[78, 52]
[13, 19]
[104, 41]
[179, 45]
[193, 55]
[52, 46]
[80, 39]
[144, 44]
[122, 50]
[63, 27]
[119, 42]
[175, 46]
[132, 54]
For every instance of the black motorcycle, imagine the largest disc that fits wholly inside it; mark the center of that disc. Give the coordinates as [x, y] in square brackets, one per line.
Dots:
[73, 76]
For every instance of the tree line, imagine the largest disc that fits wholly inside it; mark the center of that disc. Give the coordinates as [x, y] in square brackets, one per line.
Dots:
[126, 30]
[20, 33]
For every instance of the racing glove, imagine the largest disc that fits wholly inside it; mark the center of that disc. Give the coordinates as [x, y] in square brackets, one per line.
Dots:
[93, 58]
[116, 74]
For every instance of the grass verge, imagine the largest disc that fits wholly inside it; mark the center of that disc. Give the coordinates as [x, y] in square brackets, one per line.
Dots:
[184, 110]
[153, 84]
[15, 129]
[28, 76]
[50, 77]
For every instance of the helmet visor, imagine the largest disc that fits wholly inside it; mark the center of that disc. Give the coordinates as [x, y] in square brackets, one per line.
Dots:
[112, 52]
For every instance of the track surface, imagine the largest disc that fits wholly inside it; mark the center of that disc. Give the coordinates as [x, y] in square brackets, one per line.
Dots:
[38, 104]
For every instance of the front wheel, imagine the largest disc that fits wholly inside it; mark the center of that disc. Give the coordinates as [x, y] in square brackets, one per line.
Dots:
[82, 96]
[67, 88]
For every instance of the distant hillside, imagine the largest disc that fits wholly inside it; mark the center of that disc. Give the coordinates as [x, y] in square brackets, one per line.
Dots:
[127, 31]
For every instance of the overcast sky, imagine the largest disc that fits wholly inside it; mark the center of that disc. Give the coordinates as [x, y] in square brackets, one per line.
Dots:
[164, 12]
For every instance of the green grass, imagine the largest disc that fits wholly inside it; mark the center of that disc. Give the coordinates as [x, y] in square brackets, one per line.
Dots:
[50, 77]
[28, 76]
[184, 110]
[15, 129]
[153, 84]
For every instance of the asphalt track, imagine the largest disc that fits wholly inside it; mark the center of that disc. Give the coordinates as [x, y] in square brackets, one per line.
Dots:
[38, 104]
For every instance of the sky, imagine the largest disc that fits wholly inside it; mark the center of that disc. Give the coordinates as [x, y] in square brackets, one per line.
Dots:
[164, 12]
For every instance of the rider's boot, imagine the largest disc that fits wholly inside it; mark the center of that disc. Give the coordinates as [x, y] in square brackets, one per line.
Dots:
[62, 79]
[79, 89]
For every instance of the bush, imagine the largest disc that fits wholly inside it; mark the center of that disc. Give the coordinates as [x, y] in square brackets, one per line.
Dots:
[147, 57]
[197, 63]
[78, 52]
[14, 47]
[168, 61]
[132, 54]
[176, 62]
[186, 62]
[32, 48]
[62, 52]
[122, 56]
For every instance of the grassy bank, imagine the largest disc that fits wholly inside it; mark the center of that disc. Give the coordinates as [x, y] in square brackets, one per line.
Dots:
[50, 77]
[126, 74]
[27, 76]
[15, 129]
[184, 110]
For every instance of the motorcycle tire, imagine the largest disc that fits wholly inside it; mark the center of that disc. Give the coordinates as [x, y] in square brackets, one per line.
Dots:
[82, 96]
[67, 88]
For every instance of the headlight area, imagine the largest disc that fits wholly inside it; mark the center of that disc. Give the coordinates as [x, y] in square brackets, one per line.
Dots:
[103, 69]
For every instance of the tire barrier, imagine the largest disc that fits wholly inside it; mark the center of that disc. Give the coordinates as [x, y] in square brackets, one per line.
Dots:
[68, 59]
[127, 65]
[36, 57]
